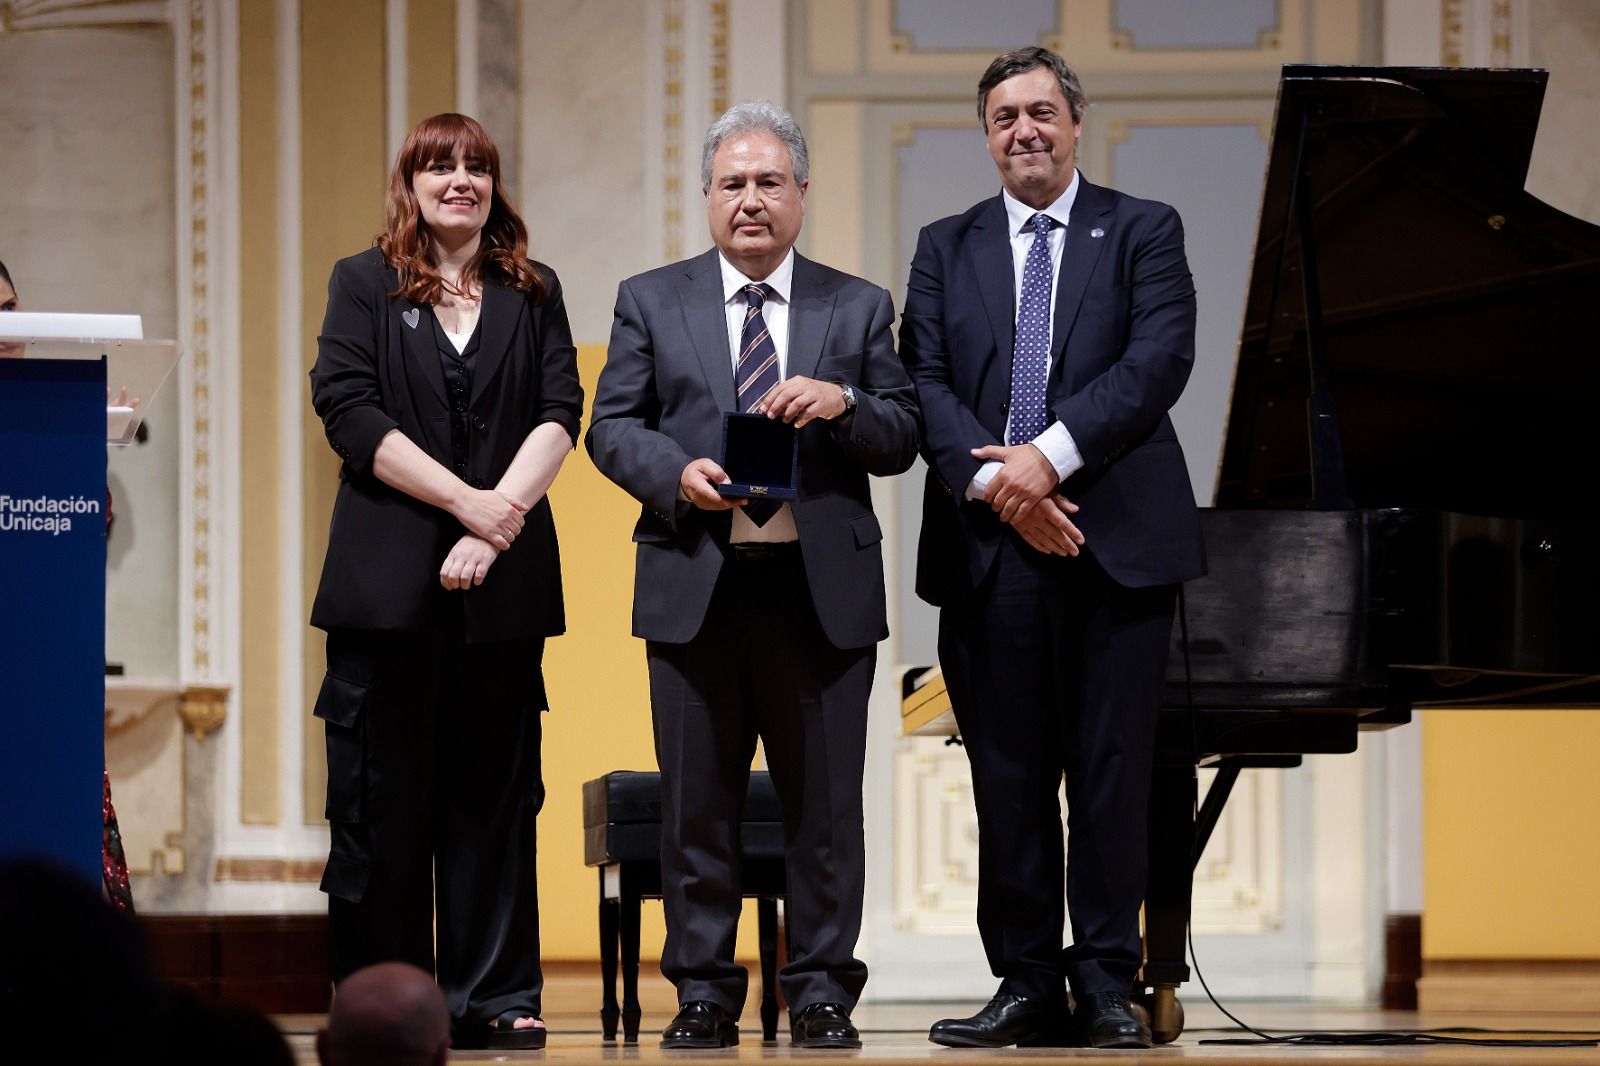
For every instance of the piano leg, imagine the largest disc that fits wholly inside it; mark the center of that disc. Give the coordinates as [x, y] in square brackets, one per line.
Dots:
[1173, 794]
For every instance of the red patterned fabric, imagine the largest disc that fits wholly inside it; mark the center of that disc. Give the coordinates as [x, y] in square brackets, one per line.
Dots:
[115, 864]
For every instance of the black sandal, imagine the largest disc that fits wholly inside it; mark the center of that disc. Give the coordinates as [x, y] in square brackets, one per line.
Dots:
[505, 1036]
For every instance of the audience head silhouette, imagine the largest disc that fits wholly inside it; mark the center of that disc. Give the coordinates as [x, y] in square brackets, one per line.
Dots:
[391, 1014]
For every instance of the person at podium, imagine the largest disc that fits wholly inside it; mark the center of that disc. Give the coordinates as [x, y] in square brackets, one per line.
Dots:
[447, 383]
[9, 302]
[114, 885]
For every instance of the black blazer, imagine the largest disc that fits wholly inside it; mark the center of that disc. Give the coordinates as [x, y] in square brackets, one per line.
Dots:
[378, 369]
[1122, 346]
[668, 379]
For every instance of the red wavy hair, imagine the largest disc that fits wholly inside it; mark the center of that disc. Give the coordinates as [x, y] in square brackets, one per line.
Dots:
[405, 242]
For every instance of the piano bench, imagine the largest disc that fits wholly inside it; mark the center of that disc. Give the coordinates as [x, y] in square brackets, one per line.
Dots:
[622, 837]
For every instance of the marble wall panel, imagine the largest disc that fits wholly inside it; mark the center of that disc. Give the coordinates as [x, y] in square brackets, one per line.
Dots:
[960, 25]
[1212, 173]
[585, 160]
[1151, 24]
[87, 223]
[1565, 170]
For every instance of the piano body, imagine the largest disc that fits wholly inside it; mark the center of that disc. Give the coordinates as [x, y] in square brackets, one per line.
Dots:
[1406, 511]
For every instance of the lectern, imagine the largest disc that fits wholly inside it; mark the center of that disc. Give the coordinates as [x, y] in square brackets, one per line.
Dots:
[56, 418]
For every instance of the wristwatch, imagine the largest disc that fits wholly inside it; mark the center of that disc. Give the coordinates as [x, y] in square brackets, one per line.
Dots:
[849, 398]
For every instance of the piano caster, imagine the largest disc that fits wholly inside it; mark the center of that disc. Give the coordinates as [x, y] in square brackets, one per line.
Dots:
[1163, 1011]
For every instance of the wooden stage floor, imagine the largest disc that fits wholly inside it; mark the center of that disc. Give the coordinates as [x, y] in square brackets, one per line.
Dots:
[897, 1034]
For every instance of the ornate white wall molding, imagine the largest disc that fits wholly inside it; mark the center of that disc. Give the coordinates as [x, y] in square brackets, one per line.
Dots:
[1483, 33]
[20, 16]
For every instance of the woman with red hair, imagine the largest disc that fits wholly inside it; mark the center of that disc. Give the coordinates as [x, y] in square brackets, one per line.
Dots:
[447, 382]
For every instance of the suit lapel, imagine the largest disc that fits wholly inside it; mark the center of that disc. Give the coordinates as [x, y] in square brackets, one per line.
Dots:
[501, 309]
[810, 314]
[705, 315]
[991, 258]
[416, 337]
[1079, 255]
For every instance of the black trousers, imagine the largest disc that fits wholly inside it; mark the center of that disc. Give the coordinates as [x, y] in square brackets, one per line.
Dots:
[433, 792]
[1055, 669]
[761, 666]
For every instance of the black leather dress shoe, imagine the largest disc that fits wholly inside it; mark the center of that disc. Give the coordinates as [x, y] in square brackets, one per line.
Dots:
[1008, 1019]
[701, 1024]
[823, 1025]
[1106, 1020]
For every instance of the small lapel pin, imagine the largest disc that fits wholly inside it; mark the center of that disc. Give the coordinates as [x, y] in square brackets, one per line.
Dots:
[1097, 232]
[412, 317]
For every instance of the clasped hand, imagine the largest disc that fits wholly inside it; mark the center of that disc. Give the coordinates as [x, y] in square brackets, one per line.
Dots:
[491, 515]
[1023, 493]
[467, 563]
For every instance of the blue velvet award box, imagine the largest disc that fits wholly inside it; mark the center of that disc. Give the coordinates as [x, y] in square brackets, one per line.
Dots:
[761, 457]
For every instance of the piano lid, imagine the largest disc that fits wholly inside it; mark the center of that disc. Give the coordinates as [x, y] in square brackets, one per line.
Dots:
[1460, 315]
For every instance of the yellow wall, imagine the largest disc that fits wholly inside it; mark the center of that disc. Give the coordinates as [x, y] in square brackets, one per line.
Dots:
[599, 716]
[260, 419]
[1511, 832]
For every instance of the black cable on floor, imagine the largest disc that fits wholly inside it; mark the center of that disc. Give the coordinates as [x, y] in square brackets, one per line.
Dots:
[1322, 1037]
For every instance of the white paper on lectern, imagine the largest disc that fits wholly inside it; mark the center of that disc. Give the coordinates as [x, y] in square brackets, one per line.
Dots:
[52, 325]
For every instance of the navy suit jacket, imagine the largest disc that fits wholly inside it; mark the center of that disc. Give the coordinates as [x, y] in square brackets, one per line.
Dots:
[1122, 345]
[659, 403]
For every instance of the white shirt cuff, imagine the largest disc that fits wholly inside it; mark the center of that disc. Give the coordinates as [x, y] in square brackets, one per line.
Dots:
[1062, 451]
[980, 480]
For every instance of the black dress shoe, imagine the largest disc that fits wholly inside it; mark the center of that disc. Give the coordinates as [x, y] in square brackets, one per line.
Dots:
[701, 1024]
[823, 1025]
[1007, 1020]
[1106, 1020]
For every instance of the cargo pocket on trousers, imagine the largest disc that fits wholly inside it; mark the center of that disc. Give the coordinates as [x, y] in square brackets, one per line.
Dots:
[339, 706]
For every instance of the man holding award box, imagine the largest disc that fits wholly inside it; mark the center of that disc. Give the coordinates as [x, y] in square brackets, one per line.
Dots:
[761, 611]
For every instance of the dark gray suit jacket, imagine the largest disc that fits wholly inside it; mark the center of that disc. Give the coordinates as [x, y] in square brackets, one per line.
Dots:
[668, 379]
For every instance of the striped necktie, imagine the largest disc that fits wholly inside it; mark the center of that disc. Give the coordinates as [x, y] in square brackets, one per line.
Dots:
[756, 374]
[757, 371]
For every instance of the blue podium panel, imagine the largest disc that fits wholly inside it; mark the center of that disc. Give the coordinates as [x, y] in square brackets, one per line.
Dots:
[52, 609]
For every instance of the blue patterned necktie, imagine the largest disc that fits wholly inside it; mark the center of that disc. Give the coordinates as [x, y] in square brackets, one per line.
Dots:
[1030, 357]
[756, 374]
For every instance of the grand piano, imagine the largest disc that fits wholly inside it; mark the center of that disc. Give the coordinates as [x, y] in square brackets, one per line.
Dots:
[1406, 512]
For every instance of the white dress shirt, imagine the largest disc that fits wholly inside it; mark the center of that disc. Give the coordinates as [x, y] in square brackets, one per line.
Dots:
[775, 312]
[1055, 442]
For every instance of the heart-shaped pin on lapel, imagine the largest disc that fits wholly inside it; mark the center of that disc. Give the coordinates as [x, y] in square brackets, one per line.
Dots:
[412, 317]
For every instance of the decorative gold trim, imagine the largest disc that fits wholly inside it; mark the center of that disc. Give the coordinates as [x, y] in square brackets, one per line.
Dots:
[268, 870]
[200, 336]
[1500, 33]
[1452, 32]
[203, 709]
[672, 129]
[719, 58]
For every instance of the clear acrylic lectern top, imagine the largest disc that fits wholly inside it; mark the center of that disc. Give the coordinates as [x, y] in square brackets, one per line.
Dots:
[140, 366]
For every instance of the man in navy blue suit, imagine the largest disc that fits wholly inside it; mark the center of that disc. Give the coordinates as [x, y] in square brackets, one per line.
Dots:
[1048, 331]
